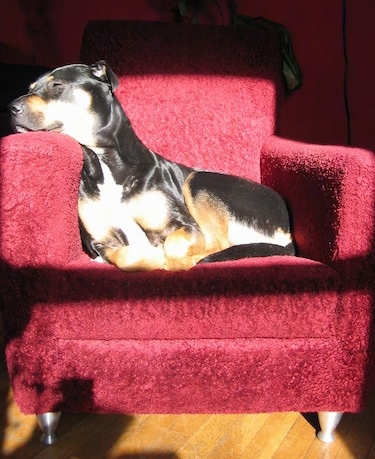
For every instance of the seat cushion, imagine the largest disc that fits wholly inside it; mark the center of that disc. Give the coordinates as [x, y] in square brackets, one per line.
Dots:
[276, 297]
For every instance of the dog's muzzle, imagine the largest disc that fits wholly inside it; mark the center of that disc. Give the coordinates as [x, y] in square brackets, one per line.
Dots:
[16, 107]
[24, 120]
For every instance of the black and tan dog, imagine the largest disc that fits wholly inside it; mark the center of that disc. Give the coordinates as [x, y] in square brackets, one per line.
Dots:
[138, 210]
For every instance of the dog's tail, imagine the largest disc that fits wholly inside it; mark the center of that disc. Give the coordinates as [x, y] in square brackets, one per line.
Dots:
[237, 252]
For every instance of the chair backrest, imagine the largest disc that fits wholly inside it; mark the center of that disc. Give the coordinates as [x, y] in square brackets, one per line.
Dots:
[204, 96]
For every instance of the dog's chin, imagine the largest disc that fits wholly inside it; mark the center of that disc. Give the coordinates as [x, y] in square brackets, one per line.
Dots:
[20, 129]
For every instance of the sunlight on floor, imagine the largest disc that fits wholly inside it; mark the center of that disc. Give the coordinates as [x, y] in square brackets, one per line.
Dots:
[19, 429]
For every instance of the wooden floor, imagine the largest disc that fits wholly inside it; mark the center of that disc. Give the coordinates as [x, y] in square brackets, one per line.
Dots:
[278, 435]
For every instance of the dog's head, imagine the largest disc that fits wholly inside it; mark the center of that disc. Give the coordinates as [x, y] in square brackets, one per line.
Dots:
[75, 100]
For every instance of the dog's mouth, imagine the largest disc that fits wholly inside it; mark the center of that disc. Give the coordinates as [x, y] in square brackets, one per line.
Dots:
[20, 128]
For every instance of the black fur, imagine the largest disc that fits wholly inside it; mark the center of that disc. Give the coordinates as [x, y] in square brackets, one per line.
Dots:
[199, 212]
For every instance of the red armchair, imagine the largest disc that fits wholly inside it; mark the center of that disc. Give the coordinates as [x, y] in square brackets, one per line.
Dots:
[254, 335]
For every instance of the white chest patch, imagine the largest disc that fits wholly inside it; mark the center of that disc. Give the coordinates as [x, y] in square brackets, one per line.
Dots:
[147, 211]
[150, 210]
[110, 191]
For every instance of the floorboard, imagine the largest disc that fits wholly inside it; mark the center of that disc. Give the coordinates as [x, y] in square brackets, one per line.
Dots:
[251, 436]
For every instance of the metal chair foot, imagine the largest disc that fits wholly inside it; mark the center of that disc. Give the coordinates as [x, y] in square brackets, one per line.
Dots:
[48, 422]
[328, 421]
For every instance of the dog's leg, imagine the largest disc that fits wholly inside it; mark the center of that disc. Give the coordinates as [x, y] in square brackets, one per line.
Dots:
[185, 247]
[238, 218]
[211, 217]
[134, 258]
[117, 250]
[181, 247]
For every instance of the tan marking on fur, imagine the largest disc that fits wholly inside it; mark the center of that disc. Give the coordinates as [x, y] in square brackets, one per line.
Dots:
[213, 219]
[211, 216]
[181, 247]
[36, 104]
[133, 258]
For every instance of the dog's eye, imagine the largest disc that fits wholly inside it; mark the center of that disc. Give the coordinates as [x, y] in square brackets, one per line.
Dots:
[55, 84]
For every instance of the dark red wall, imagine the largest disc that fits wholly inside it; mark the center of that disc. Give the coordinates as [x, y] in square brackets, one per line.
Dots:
[361, 71]
[317, 112]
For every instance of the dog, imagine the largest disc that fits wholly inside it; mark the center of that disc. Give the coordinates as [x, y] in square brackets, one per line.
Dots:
[138, 210]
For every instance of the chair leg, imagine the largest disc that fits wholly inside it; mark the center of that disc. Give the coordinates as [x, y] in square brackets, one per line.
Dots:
[48, 422]
[328, 421]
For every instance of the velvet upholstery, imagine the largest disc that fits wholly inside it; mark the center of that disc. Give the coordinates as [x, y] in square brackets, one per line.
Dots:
[253, 335]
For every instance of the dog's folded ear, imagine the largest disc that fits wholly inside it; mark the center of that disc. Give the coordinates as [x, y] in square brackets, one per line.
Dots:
[104, 72]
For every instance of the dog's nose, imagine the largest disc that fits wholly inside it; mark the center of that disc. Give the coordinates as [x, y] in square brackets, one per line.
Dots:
[16, 107]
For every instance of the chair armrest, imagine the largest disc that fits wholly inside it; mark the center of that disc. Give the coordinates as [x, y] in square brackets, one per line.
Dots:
[330, 191]
[40, 174]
